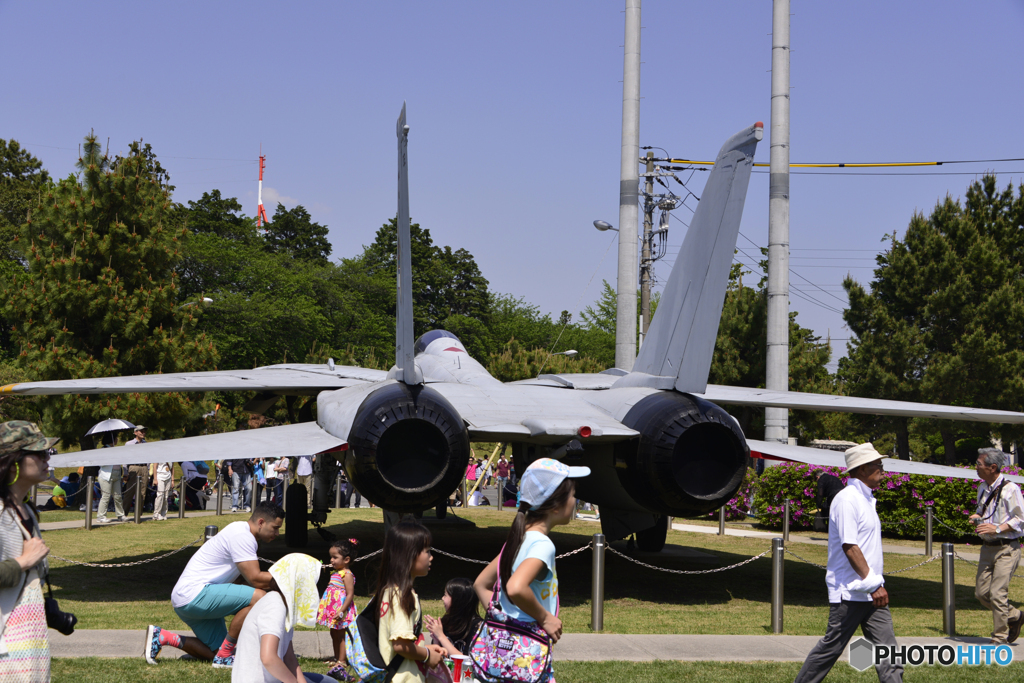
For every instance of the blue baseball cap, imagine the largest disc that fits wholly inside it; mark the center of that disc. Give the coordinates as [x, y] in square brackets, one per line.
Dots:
[543, 476]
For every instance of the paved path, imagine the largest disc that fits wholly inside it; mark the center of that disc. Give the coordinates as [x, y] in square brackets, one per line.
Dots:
[811, 540]
[572, 647]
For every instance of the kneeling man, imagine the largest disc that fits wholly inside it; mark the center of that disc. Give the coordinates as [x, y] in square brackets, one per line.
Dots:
[856, 596]
[205, 594]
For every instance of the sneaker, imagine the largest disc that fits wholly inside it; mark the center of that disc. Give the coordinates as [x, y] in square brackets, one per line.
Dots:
[102, 520]
[234, 509]
[153, 645]
[223, 662]
[248, 509]
[121, 518]
[339, 672]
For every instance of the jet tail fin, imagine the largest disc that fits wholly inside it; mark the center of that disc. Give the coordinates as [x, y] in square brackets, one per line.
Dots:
[681, 338]
[405, 355]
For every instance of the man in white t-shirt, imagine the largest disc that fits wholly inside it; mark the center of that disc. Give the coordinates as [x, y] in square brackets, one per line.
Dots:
[205, 593]
[856, 594]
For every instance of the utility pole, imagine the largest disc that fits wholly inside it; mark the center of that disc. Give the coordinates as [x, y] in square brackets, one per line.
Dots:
[776, 420]
[645, 254]
[629, 178]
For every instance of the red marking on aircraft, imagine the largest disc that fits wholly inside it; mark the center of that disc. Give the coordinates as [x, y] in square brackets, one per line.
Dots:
[452, 348]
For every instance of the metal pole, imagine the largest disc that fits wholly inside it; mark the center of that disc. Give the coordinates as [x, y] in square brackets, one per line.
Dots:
[181, 497]
[138, 498]
[465, 493]
[337, 492]
[929, 517]
[33, 495]
[501, 497]
[88, 502]
[721, 521]
[597, 585]
[220, 495]
[645, 253]
[252, 490]
[211, 531]
[948, 591]
[785, 523]
[776, 420]
[629, 177]
[778, 552]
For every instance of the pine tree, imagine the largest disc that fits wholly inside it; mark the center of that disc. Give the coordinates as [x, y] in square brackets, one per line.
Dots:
[944, 320]
[99, 298]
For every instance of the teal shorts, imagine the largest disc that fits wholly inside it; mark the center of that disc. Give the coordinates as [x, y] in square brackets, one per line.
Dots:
[205, 614]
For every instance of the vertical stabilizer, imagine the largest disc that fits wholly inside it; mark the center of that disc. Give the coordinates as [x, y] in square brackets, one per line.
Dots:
[681, 338]
[405, 355]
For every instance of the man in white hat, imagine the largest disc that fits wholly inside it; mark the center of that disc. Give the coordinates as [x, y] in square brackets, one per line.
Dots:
[856, 594]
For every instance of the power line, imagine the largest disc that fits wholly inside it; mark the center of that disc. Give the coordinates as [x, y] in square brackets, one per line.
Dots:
[876, 164]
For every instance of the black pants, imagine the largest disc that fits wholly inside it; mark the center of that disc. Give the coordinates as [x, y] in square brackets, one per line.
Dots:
[349, 490]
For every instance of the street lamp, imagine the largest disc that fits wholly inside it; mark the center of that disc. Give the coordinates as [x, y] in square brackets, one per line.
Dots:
[206, 301]
[604, 226]
[570, 353]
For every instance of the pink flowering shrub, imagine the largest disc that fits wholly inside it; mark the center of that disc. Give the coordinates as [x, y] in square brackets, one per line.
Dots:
[901, 500]
[737, 507]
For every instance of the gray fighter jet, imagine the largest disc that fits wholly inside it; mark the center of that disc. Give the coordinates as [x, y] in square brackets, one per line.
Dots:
[656, 441]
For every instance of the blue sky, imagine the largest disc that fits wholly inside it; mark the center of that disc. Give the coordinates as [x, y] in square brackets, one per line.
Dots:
[515, 114]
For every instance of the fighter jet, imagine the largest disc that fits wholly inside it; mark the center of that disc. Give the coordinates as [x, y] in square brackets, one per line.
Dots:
[656, 440]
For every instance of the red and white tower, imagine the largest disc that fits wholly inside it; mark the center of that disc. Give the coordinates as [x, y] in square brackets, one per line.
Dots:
[261, 213]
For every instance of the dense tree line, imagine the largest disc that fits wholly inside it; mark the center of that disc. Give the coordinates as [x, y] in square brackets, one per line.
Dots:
[104, 274]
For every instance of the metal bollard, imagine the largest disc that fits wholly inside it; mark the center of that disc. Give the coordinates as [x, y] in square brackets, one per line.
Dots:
[721, 521]
[501, 497]
[465, 493]
[220, 496]
[139, 498]
[88, 502]
[211, 531]
[33, 495]
[252, 490]
[948, 591]
[778, 553]
[181, 498]
[785, 523]
[929, 517]
[597, 585]
[337, 492]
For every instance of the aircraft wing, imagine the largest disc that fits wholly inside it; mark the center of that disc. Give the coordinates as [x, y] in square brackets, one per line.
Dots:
[851, 404]
[819, 456]
[306, 438]
[288, 378]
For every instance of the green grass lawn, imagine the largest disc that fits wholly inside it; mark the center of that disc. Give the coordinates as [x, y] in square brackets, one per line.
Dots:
[96, 670]
[637, 600]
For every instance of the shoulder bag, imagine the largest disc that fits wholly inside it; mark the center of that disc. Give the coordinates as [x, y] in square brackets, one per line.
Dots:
[507, 649]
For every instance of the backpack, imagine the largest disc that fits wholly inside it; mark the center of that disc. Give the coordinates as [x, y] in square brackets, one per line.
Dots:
[363, 653]
[202, 467]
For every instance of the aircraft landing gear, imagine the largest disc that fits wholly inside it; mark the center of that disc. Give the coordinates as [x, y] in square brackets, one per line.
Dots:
[296, 518]
[653, 540]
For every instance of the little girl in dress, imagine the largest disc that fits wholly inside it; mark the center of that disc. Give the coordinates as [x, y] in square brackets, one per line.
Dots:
[337, 609]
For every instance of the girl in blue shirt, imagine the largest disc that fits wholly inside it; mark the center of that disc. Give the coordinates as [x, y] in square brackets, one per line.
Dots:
[528, 577]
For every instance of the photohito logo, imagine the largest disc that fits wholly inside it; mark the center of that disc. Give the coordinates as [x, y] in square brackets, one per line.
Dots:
[865, 654]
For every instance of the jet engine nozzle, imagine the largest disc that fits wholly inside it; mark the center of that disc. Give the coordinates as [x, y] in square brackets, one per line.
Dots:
[408, 448]
[690, 458]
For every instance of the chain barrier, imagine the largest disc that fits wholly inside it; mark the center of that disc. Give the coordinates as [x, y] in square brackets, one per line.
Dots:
[897, 571]
[126, 564]
[684, 571]
[446, 554]
[574, 552]
[964, 559]
[803, 559]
